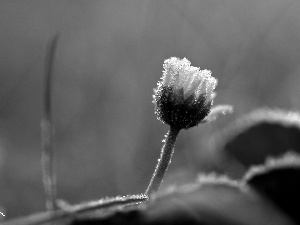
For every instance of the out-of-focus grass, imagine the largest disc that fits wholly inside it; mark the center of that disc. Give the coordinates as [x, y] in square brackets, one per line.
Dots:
[110, 57]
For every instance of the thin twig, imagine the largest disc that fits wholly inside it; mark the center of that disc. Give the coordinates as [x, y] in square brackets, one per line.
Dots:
[75, 210]
[47, 128]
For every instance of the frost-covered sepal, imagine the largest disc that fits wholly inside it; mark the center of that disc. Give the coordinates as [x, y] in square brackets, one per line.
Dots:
[171, 108]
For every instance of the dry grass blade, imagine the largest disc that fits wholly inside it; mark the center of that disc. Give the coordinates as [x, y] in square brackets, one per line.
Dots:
[47, 128]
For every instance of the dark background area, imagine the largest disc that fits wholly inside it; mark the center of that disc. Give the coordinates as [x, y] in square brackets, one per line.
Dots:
[109, 59]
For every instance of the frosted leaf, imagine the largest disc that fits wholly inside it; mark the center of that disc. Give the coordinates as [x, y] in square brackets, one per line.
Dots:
[216, 111]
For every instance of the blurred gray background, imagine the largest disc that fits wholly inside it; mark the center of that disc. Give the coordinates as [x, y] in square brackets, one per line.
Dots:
[109, 59]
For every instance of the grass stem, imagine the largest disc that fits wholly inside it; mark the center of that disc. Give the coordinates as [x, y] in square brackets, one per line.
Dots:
[47, 128]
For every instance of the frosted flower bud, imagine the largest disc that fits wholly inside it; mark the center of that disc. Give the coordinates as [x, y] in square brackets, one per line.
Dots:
[184, 95]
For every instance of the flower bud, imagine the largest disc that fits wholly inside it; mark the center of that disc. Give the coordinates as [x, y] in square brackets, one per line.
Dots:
[184, 95]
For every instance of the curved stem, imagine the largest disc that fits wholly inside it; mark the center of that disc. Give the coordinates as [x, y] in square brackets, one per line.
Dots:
[164, 161]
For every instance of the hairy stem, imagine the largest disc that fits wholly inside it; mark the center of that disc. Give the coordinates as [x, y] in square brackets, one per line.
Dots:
[163, 162]
[47, 129]
[76, 210]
